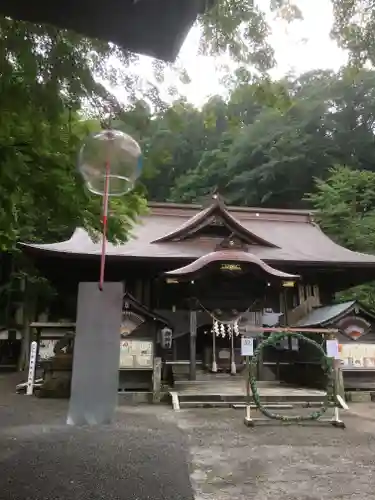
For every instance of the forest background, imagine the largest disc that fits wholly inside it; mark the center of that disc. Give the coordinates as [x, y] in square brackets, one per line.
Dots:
[304, 141]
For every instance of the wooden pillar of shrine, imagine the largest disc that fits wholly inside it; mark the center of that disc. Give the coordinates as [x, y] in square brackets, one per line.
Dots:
[193, 345]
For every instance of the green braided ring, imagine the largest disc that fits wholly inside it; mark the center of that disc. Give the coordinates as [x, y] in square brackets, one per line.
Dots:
[327, 365]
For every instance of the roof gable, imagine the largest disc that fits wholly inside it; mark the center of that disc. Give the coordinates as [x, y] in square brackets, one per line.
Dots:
[215, 221]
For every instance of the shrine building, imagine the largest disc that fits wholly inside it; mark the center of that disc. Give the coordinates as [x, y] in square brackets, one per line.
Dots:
[204, 274]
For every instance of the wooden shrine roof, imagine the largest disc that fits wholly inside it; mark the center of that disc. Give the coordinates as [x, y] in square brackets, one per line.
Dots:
[176, 231]
[327, 315]
[153, 27]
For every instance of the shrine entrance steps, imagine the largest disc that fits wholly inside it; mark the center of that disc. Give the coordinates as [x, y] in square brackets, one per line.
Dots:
[223, 390]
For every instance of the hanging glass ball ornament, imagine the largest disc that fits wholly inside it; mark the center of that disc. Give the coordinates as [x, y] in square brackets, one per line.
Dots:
[114, 154]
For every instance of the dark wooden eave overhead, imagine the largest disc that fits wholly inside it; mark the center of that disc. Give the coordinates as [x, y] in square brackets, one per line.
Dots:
[153, 27]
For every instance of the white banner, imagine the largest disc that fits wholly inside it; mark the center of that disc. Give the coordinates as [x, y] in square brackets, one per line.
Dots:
[32, 366]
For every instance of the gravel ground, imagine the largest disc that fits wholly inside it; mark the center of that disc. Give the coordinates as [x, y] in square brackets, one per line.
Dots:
[232, 462]
[140, 457]
[147, 452]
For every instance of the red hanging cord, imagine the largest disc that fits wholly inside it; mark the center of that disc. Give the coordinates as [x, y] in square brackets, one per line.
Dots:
[105, 223]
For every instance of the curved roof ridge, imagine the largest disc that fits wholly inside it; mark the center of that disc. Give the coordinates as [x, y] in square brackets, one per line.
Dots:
[229, 256]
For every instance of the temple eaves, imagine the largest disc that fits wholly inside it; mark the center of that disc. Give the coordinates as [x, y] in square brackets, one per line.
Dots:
[156, 28]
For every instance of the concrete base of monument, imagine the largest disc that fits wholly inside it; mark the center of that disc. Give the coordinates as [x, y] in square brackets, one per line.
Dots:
[135, 397]
[229, 392]
[360, 396]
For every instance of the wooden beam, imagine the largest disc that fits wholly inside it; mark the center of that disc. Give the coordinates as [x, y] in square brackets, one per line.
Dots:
[327, 331]
[37, 324]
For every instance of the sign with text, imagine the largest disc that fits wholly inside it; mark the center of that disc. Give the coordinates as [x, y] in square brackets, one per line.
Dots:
[32, 366]
[247, 346]
[332, 347]
[356, 355]
[288, 284]
[230, 267]
[136, 355]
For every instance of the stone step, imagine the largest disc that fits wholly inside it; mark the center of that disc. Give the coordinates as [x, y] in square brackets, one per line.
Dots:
[233, 398]
[134, 397]
[208, 404]
[237, 405]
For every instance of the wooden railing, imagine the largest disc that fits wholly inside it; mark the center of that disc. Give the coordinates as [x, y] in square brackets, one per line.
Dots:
[299, 312]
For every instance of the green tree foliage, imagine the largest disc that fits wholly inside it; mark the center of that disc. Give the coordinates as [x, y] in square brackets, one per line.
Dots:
[345, 205]
[47, 75]
[240, 28]
[354, 29]
[258, 153]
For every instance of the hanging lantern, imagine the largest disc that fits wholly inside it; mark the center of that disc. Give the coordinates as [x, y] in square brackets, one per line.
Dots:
[110, 162]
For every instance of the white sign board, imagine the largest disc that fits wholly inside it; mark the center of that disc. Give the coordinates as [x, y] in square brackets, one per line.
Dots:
[136, 355]
[355, 355]
[32, 365]
[332, 347]
[247, 346]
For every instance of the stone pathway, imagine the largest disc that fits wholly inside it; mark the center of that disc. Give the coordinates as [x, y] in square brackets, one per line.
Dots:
[227, 461]
[273, 462]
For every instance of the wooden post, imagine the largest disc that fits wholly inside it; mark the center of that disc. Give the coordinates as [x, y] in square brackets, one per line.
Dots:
[174, 349]
[339, 379]
[248, 420]
[260, 369]
[193, 345]
[28, 316]
[286, 318]
[214, 363]
[156, 381]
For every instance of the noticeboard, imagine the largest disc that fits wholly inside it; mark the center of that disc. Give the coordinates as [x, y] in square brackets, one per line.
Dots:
[247, 346]
[357, 356]
[136, 355]
[46, 349]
